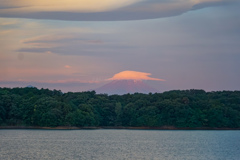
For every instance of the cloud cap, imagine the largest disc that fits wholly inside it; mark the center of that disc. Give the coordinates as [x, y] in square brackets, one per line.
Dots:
[133, 75]
[105, 10]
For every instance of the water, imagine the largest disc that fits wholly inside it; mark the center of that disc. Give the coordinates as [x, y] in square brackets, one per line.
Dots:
[119, 144]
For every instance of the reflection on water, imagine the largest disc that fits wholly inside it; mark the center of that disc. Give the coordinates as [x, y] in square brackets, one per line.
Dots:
[119, 144]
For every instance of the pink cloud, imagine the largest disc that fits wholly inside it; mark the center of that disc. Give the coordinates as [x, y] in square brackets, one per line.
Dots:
[134, 75]
[95, 10]
[67, 66]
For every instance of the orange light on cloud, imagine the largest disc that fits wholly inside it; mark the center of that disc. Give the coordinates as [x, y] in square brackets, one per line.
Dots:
[67, 5]
[133, 75]
[67, 66]
[88, 10]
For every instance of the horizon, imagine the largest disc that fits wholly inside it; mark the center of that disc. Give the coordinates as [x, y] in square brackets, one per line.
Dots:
[158, 92]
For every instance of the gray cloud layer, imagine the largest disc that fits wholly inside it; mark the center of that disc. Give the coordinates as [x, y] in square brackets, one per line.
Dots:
[72, 45]
[146, 9]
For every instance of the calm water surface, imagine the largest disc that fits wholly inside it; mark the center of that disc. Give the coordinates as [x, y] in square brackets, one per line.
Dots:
[119, 144]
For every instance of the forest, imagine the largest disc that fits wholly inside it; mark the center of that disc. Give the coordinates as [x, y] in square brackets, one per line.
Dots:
[179, 108]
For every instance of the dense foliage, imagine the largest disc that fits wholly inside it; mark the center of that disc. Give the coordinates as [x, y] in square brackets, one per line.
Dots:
[188, 108]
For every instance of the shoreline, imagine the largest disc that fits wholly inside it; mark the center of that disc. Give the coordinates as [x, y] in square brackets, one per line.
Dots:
[116, 127]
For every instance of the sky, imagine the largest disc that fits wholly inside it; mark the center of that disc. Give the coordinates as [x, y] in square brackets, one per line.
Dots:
[80, 45]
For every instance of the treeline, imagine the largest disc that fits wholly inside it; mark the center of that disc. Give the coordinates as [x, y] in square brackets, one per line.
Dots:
[187, 108]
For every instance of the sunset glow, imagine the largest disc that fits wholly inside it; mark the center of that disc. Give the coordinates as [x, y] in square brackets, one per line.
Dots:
[81, 45]
[95, 10]
[67, 67]
[66, 5]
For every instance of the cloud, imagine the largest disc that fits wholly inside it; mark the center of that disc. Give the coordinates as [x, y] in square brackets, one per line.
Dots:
[63, 85]
[8, 23]
[133, 75]
[59, 39]
[67, 81]
[66, 5]
[105, 10]
[48, 38]
[72, 44]
[67, 67]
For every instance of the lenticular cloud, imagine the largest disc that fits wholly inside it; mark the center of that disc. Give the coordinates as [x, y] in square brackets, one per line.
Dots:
[104, 10]
[133, 75]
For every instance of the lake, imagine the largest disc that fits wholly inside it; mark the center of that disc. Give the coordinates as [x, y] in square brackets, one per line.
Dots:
[104, 144]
